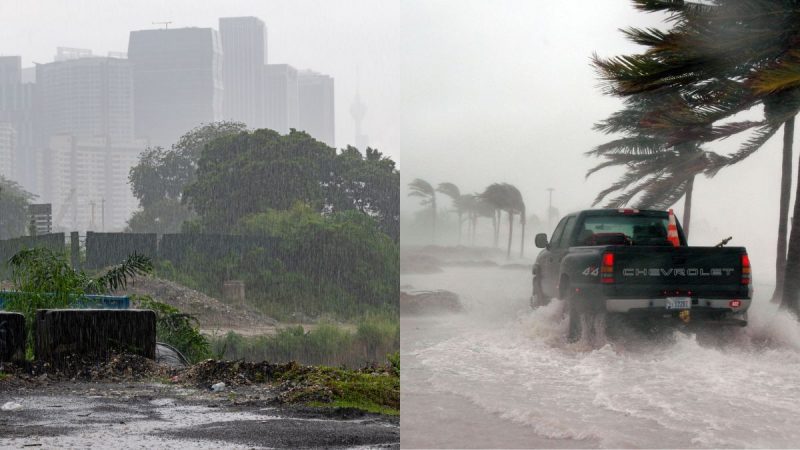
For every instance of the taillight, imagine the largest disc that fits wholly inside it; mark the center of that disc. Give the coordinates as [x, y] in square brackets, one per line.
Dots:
[746, 272]
[607, 268]
[735, 303]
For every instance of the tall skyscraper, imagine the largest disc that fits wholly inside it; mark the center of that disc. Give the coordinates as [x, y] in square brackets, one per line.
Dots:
[86, 97]
[280, 97]
[177, 76]
[244, 45]
[18, 109]
[7, 150]
[316, 106]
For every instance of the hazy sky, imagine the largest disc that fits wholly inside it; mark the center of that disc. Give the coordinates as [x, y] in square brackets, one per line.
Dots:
[471, 92]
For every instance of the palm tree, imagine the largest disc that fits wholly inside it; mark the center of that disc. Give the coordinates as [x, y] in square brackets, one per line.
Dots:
[452, 191]
[658, 170]
[424, 190]
[727, 57]
[505, 197]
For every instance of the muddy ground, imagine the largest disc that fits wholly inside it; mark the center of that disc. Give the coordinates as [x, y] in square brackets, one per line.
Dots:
[151, 414]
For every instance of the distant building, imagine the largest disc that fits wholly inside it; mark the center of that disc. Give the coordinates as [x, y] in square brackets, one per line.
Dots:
[10, 70]
[316, 106]
[68, 53]
[86, 97]
[40, 218]
[281, 102]
[244, 45]
[7, 150]
[177, 76]
[87, 182]
[18, 109]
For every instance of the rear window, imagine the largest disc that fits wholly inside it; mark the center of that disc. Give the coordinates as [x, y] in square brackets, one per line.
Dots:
[623, 230]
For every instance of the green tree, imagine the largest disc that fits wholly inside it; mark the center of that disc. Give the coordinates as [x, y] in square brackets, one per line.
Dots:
[249, 173]
[368, 183]
[159, 178]
[164, 216]
[426, 192]
[14, 201]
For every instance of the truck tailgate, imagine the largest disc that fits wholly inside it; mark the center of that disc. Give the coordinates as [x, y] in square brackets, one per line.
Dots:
[662, 271]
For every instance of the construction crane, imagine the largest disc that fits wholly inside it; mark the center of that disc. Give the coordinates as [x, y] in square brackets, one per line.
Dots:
[166, 24]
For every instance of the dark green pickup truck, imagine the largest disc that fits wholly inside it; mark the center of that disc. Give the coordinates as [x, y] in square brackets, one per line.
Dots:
[623, 262]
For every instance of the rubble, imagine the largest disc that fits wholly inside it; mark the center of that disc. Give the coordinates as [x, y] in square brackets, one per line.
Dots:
[429, 302]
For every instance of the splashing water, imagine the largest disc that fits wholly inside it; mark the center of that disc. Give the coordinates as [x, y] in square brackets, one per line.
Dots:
[706, 388]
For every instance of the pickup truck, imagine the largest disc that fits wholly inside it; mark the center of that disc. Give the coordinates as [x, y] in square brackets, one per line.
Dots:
[623, 262]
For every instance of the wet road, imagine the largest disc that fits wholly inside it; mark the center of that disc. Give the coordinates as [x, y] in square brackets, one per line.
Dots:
[500, 375]
[141, 415]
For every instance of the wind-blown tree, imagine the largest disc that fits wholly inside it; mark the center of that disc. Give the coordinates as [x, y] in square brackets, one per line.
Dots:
[726, 56]
[505, 197]
[427, 194]
[452, 191]
[519, 208]
[658, 173]
[14, 202]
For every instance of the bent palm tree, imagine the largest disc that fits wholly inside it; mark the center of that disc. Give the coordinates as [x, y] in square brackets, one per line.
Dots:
[711, 47]
[424, 190]
[452, 191]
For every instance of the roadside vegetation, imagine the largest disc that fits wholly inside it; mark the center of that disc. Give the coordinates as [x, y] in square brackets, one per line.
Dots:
[325, 344]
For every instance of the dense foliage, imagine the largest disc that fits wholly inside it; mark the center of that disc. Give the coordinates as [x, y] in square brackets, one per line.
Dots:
[177, 329]
[13, 209]
[159, 178]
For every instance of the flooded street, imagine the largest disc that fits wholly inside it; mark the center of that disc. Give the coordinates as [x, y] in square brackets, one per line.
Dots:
[501, 375]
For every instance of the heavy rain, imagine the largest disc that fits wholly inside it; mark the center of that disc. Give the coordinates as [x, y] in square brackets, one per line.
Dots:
[199, 225]
[531, 317]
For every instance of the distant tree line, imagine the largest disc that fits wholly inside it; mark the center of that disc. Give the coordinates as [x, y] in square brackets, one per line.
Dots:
[496, 199]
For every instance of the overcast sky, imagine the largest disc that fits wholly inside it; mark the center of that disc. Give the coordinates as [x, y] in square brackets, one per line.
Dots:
[471, 92]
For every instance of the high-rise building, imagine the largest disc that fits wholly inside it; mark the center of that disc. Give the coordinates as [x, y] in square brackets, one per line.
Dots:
[281, 102]
[87, 182]
[7, 150]
[244, 45]
[177, 76]
[10, 70]
[86, 97]
[316, 106]
[17, 108]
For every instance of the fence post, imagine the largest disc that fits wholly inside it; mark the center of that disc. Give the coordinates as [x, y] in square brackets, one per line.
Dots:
[75, 250]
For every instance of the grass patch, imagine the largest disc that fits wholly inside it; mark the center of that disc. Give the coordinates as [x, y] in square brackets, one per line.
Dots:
[327, 344]
[3, 376]
[375, 391]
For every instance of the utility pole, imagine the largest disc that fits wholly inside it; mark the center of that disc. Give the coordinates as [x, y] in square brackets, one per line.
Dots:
[550, 208]
[103, 214]
[92, 225]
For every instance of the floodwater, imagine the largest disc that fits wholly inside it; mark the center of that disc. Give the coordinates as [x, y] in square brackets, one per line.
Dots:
[501, 375]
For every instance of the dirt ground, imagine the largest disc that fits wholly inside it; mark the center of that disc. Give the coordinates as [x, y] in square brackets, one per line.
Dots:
[163, 415]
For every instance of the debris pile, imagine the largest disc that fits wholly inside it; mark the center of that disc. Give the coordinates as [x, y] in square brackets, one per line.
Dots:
[429, 302]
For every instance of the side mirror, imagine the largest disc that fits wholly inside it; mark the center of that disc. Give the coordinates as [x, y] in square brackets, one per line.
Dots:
[541, 240]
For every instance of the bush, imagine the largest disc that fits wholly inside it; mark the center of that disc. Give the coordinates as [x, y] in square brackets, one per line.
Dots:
[177, 329]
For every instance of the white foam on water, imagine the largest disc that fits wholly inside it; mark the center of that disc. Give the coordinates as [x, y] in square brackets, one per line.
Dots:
[721, 388]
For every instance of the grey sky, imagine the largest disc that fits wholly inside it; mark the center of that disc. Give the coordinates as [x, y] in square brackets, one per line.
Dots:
[471, 92]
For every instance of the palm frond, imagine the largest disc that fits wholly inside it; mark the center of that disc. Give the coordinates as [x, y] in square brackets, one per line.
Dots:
[118, 276]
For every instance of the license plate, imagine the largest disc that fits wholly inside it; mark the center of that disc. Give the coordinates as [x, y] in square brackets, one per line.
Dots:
[679, 303]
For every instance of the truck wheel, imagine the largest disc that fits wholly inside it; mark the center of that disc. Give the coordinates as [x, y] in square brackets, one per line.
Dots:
[575, 329]
[538, 298]
[576, 315]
